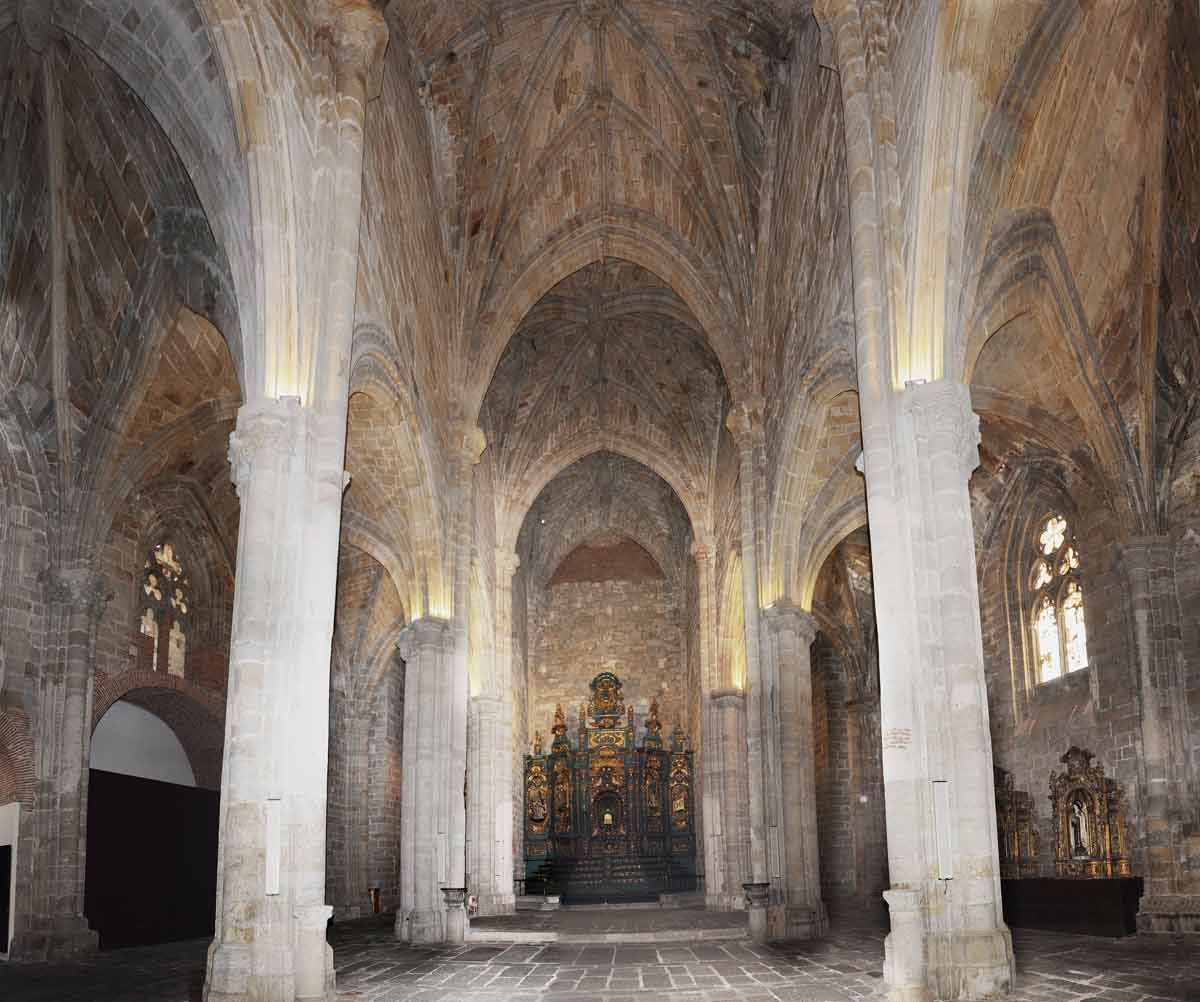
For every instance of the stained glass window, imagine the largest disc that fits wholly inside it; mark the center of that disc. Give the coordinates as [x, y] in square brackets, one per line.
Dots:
[1056, 601]
[165, 599]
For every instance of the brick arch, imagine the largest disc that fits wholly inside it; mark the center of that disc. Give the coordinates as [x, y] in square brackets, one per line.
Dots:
[196, 717]
[17, 779]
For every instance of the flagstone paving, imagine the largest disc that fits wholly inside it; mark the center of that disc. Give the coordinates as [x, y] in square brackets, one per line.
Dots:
[847, 965]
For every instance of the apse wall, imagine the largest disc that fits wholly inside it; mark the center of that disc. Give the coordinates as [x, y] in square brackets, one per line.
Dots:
[632, 627]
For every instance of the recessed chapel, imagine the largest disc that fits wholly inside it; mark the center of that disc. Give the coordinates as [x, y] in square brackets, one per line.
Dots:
[492, 472]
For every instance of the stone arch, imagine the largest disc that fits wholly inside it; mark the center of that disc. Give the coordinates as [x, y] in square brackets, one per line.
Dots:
[637, 241]
[193, 107]
[513, 517]
[790, 508]
[1026, 278]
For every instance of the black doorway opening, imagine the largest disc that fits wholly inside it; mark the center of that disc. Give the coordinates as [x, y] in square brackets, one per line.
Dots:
[5, 893]
[151, 860]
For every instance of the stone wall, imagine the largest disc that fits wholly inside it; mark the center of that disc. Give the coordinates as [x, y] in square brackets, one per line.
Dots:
[1034, 724]
[633, 628]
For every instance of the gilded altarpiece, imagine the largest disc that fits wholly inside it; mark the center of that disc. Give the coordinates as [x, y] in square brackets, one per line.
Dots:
[606, 808]
[1017, 827]
[1088, 813]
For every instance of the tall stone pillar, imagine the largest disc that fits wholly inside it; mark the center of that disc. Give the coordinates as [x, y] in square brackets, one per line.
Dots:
[716, 878]
[489, 806]
[490, 772]
[467, 445]
[271, 911]
[1171, 902]
[427, 783]
[792, 633]
[54, 926]
[746, 426]
[948, 933]
[726, 736]
[948, 936]
[286, 456]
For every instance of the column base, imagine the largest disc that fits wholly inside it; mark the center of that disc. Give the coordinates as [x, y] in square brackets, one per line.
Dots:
[421, 926]
[970, 965]
[238, 972]
[456, 915]
[1169, 913]
[53, 939]
[497, 904]
[757, 902]
[806, 922]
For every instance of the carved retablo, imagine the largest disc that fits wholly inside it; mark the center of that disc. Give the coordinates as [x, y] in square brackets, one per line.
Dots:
[1089, 819]
[606, 816]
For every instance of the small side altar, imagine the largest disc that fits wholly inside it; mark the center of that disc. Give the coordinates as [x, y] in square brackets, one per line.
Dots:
[608, 818]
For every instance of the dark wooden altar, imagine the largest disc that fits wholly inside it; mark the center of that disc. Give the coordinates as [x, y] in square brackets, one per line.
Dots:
[605, 817]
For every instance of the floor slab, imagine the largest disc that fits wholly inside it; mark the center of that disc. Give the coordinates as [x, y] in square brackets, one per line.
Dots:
[372, 967]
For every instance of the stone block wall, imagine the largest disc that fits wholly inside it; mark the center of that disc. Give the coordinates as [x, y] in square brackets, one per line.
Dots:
[1034, 724]
[633, 628]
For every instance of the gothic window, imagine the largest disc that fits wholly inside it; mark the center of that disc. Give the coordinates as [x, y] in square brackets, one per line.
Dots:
[165, 601]
[1056, 601]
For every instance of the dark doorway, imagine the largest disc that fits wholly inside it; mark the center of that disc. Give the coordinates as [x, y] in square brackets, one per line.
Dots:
[151, 860]
[5, 893]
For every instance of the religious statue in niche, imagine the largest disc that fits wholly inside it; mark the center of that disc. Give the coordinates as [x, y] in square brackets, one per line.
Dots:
[1018, 836]
[1089, 819]
[562, 796]
[537, 798]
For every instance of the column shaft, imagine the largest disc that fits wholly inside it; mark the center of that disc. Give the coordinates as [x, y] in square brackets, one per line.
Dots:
[792, 631]
[424, 646]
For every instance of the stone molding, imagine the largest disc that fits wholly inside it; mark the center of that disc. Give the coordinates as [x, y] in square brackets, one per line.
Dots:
[428, 631]
[784, 616]
[726, 697]
[943, 407]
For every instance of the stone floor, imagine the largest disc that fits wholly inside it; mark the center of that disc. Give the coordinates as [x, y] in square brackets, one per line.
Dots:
[372, 968]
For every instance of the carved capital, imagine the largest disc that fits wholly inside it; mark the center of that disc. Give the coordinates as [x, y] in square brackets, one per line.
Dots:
[702, 549]
[507, 563]
[359, 34]
[268, 436]
[745, 423]
[313, 917]
[595, 12]
[467, 442]
[785, 617]
[943, 408]
[37, 20]
[426, 632]
[757, 894]
[79, 587]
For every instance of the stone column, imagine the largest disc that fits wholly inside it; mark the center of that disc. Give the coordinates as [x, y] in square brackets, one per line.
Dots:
[287, 464]
[919, 448]
[53, 926]
[726, 735]
[466, 447]
[489, 806]
[1171, 902]
[793, 631]
[715, 876]
[426, 782]
[746, 426]
[490, 869]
